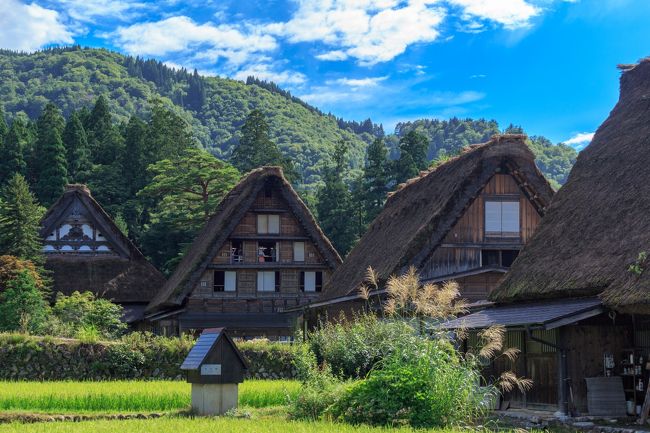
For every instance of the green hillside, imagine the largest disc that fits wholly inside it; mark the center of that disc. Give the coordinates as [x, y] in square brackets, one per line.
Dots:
[215, 107]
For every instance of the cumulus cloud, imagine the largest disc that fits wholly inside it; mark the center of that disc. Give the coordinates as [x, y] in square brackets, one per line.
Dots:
[181, 33]
[28, 27]
[371, 31]
[90, 10]
[580, 141]
[511, 14]
[334, 55]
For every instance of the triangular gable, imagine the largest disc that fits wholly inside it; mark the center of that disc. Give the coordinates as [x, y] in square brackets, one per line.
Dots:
[441, 228]
[418, 216]
[220, 227]
[76, 217]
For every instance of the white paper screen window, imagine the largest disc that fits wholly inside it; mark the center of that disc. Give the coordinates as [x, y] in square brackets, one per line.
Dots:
[266, 281]
[298, 251]
[230, 281]
[310, 281]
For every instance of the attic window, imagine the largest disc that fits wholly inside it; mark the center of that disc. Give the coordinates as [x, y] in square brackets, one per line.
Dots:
[268, 224]
[501, 218]
[268, 192]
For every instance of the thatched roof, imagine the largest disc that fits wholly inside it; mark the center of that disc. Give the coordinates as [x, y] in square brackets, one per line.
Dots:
[124, 277]
[217, 230]
[417, 217]
[598, 222]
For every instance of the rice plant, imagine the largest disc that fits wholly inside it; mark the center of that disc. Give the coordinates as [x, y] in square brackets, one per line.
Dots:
[128, 396]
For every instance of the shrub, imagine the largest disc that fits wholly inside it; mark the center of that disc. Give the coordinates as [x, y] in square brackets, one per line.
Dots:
[83, 311]
[351, 349]
[22, 305]
[424, 385]
[319, 390]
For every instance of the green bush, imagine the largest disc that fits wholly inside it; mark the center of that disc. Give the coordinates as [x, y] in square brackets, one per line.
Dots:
[424, 385]
[351, 349]
[82, 312]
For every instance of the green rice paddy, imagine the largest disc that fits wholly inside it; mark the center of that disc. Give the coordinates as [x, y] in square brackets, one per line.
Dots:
[128, 396]
[199, 425]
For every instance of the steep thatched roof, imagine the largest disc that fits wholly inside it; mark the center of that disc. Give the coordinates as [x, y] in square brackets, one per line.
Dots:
[124, 277]
[417, 217]
[598, 222]
[217, 230]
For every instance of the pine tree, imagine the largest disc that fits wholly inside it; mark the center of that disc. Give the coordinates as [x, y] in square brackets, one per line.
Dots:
[76, 145]
[51, 169]
[413, 156]
[104, 141]
[20, 217]
[335, 206]
[135, 160]
[3, 126]
[169, 134]
[376, 179]
[12, 154]
[256, 149]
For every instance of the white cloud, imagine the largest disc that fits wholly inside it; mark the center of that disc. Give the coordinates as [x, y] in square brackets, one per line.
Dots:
[477, 76]
[511, 14]
[335, 55]
[358, 82]
[90, 10]
[372, 31]
[29, 27]
[454, 98]
[264, 71]
[580, 141]
[181, 34]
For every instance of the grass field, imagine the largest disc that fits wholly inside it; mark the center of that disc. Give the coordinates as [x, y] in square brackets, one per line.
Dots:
[128, 396]
[201, 425]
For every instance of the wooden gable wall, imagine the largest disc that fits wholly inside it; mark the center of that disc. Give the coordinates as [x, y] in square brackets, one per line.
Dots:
[461, 250]
[247, 298]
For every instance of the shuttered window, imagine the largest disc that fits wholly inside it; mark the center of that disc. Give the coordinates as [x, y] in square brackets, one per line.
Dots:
[268, 224]
[298, 251]
[311, 281]
[230, 281]
[502, 218]
[268, 281]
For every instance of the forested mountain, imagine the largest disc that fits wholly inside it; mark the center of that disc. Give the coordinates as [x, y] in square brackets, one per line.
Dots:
[216, 108]
[448, 137]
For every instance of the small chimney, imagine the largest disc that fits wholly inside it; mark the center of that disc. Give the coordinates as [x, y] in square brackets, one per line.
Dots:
[77, 187]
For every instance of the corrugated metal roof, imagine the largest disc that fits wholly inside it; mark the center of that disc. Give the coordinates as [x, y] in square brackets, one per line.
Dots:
[200, 350]
[546, 315]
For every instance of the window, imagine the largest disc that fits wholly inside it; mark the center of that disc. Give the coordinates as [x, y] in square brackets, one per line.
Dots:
[311, 281]
[268, 224]
[268, 281]
[268, 192]
[298, 251]
[267, 251]
[502, 218]
[502, 258]
[225, 281]
[236, 252]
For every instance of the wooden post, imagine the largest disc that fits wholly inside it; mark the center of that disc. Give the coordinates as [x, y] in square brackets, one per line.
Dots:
[646, 407]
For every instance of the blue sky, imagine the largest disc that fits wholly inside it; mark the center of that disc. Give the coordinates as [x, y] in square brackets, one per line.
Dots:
[548, 65]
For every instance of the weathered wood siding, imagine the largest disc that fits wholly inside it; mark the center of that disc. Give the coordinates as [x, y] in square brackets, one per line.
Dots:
[247, 298]
[460, 251]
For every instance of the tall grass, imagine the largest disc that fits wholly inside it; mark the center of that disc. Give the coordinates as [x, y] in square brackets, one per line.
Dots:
[200, 425]
[128, 396]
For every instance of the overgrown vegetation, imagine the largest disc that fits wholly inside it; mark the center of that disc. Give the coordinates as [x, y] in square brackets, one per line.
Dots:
[400, 369]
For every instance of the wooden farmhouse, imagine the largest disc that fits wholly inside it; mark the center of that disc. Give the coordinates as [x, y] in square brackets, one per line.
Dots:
[577, 300]
[86, 251]
[465, 220]
[262, 253]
